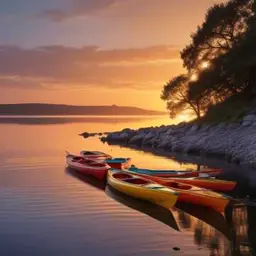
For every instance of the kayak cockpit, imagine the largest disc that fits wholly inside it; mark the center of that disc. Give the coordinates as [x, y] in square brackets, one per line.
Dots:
[81, 160]
[177, 185]
[131, 179]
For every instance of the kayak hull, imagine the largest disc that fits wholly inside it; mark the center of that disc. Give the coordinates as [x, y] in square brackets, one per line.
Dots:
[217, 203]
[164, 197]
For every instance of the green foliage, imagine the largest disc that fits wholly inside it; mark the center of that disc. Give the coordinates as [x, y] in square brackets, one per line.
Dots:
[231, 110]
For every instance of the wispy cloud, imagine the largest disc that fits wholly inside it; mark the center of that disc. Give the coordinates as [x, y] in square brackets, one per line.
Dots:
[78, 8]
[60, 67]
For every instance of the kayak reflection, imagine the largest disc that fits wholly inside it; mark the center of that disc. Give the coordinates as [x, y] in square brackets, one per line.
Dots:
[87, 179]
[156, 212]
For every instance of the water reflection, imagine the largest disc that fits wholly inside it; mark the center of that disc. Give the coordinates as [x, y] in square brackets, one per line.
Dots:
[46, 120]
[159, 213]
[206, 215]
[231, 233]
[86, 179]
[43, 206]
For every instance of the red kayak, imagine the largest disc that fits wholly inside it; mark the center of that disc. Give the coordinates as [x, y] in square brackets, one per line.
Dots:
[94, 154]
[87, 166]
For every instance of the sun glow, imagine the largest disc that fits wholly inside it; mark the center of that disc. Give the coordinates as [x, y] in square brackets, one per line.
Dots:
[193, 77]
[205, 65]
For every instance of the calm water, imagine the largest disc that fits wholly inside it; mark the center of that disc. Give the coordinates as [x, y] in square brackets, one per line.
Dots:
[48, 210]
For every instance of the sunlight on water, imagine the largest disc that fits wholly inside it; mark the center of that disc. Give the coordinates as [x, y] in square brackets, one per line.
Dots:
[48, 210]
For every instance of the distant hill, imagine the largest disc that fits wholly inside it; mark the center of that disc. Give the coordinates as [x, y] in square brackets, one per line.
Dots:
[56, 109]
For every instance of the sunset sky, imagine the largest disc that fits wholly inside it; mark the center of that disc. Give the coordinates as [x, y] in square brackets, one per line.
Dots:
[93, 52]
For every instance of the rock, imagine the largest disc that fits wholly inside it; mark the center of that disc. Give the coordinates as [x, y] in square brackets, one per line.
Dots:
[235, 142]
[247, 123]
[114, 136]
[103, 139]
[164, 145]
[85, 134]
[194, 128]
[136, 140]
[162, 129]
[149, 136]
[250, 117]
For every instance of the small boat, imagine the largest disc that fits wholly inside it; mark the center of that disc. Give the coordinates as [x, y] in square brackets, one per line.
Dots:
[141, 188]
[87, 166]
[119, 163]
[94, 154]
[173, 173]
[193, 194]
[207, 183]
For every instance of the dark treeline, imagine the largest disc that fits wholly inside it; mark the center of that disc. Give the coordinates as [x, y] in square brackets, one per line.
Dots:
[220, 60]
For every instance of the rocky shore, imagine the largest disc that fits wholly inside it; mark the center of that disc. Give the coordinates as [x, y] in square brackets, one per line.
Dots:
[235, 142]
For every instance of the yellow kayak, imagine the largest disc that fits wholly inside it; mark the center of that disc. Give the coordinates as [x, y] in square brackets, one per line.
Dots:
[141, 188]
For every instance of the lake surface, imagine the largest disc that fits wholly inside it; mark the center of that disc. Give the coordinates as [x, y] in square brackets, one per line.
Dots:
[49, 210]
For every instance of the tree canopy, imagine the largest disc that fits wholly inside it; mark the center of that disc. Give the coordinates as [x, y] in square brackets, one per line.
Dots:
[221, 56]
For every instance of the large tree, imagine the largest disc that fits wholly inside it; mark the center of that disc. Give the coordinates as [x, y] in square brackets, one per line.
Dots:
[226, 34]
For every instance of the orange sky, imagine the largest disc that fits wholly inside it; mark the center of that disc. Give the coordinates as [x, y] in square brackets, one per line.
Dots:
[95, 53]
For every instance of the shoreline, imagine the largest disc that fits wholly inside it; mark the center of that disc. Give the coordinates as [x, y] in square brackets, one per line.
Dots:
[235, 142]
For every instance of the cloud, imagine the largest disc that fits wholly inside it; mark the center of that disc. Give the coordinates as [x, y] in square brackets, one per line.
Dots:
[78, 8]
[60, 67]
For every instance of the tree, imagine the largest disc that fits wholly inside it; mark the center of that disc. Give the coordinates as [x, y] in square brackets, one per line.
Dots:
[175, 93]
[223, 40]
[223, 27]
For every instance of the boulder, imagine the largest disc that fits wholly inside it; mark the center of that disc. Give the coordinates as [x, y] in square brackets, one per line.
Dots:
[85, 134]
[162, 129]
[250, 117]
[136, 140]
[194, 128]
[247, 123]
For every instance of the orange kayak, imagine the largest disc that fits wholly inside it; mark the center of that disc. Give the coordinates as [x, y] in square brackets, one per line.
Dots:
[208, 183]
[193, 194]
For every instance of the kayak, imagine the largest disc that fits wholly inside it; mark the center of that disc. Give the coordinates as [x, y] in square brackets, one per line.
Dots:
[94, 154]
[87, 166]
[193, 194]
[141, 188]
[119, 163]
[173, 173]
[208, 183]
